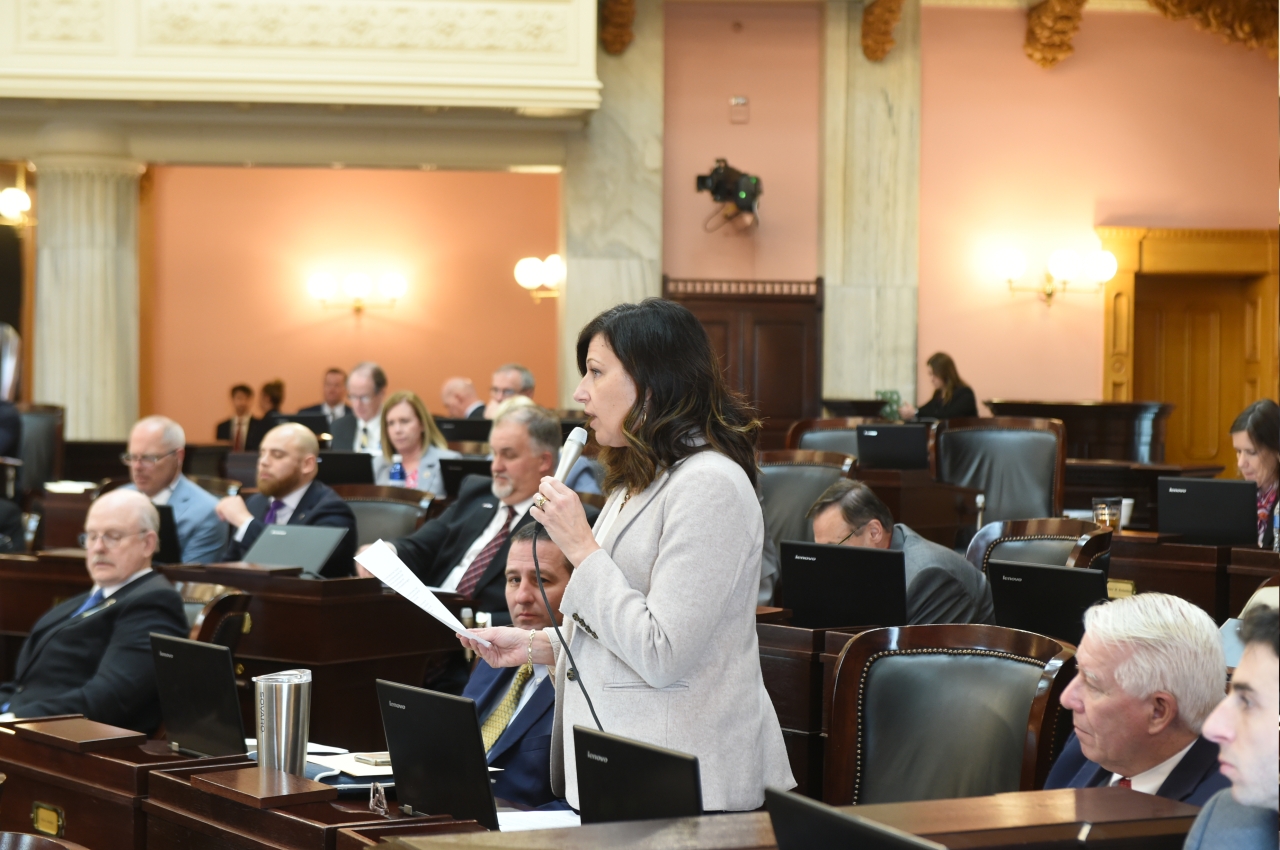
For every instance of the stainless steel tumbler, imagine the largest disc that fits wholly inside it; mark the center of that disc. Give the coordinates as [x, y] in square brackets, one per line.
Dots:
[284, 719]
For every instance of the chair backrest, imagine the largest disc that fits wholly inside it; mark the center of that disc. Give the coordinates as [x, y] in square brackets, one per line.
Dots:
[42, 447]
[790, 482]
[1019, 464]
[384, 513]
[942, 711]
[828, 435]
[1055, 542]
[216, 613]
[219, 487]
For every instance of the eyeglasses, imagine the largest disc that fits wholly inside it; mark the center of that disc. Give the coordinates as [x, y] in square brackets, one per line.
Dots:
[145, 460]
[110, 539]
[499, 392]
[362, 399]
[851, 533]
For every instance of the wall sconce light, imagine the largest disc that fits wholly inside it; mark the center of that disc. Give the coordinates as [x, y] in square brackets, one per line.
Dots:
[542, 278]
[15, 203]
[357, 290]
[1064, 267]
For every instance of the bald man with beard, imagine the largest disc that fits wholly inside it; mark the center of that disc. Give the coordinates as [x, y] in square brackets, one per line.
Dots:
[289, 494]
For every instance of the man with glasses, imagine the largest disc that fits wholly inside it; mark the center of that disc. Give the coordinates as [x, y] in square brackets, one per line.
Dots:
[942, 587]
[91, 654]
[510, 379]
[366, 390]
[157, 446]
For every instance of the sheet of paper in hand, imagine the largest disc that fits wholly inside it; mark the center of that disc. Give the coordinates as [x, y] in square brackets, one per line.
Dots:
[385, 565]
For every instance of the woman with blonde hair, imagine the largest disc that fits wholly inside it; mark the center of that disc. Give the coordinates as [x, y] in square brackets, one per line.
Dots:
[410, 431]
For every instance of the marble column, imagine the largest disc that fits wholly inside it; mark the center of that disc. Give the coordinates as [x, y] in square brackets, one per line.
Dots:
[86, 310]
[613, 191]
[871, 182]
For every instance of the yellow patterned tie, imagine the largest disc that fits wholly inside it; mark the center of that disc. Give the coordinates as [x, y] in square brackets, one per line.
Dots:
[496, 723]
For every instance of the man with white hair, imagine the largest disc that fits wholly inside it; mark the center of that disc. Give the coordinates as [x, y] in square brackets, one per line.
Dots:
[91, 654]
[1151, 669]
[157, 446]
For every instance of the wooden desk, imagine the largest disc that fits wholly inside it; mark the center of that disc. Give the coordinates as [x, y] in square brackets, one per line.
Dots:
[1086, 479]
[935, 510]
[1153, 561]
[1246, 570]
[29, 586]
[1043, 820]
[98, 794]
[346, 631]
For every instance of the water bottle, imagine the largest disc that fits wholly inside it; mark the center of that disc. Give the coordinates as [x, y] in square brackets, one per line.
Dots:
[1275, 529]
[397, 471]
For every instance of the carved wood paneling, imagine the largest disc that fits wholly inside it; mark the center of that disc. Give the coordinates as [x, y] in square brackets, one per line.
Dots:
[878, 20]
[1050, 27]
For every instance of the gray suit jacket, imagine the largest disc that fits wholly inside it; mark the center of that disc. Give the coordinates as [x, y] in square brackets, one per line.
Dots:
[1224, 824]
[430, 478]
[661, 621]
[201, 534]
[942, 587]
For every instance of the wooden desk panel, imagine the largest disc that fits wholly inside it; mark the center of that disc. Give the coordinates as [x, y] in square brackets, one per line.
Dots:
[935, 510]
[1246, 570]
[1195, 573]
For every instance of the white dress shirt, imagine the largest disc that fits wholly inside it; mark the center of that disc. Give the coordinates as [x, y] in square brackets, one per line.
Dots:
[163, 497]
[283, 513]
[332, 413]
[1149, 781]
[477, 546]
[374, 427]
[108, 590]
[540, 672]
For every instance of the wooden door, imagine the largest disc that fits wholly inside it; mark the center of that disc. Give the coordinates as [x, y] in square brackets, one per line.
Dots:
[1190, 335]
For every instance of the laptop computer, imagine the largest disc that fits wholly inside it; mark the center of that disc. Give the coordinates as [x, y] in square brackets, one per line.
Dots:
[170, 551]
[453, 470]
[803, 824]
[437, 754]
[1044, 599]
[316, 422]
[1210, 511]
[306, 546]
[198, 701]
[828, 586]
[464, 430]
[893, 446]
[345, 468]
[621, 779]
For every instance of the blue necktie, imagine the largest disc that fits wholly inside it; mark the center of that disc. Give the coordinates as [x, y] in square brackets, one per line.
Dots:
[94, 599]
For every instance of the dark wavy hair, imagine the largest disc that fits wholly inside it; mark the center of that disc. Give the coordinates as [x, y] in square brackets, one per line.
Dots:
[1261, 421]
[945, 368]
[681, 394]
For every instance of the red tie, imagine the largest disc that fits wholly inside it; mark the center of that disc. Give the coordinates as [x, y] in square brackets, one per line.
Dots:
[1124, 782]
[476, 569]
[237, 442]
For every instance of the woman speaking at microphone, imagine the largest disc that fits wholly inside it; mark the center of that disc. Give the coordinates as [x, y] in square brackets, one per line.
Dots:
[660, 612]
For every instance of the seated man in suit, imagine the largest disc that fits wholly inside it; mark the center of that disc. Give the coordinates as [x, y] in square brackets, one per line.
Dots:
[517, 704]
[91, 654]
[157, 446]
[1151, 669]
[289, 494]
[334, 393]
[366, 390]
[509, 380]
[236, 429]
[460, 399]
[1244, 728]
[942, 587]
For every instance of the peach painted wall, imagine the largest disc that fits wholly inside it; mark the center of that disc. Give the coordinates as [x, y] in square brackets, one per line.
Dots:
[1151, 122]
[234, 248]
[775, 59]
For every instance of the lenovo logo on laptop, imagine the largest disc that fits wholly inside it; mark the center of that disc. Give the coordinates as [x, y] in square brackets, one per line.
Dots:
[395, 705]
[805, 558]
[594, 757]
[1177, 490]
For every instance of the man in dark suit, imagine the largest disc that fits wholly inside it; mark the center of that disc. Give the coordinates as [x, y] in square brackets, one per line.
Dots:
[243, 426]
[1151, 669]
[460, 399]
[362, 431]
[517, 704]
[942, 587]
[91, 654]
[334, 393]
[289, 494]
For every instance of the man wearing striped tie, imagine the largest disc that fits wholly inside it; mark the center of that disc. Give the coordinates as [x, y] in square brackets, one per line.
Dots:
[516, 704]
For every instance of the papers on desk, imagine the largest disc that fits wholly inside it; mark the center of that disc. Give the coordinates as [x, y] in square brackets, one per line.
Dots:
[346, 763]
[386, 566]
[251, 744]
[72, 487]
[520, 821]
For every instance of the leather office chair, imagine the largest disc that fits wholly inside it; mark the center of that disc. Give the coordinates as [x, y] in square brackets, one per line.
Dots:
[384, 513]
[790, 482]
[1053, 542]
[1019, 464]
[216, 613]
[219, 487]
[828, 435]
[42, 446]
[942, 711]
[243, 467]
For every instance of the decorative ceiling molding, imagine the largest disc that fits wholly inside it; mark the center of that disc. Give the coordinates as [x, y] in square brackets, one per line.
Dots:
[1050, 26]
[616, 20]
[1251, 23]
[879, 17]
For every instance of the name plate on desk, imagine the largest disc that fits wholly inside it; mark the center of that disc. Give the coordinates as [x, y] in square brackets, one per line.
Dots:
[263, 789]
[78, 735]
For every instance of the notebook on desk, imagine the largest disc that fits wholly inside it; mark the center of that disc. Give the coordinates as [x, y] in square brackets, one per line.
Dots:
[306, 546]
[828, 586]
[621, 779]
[1208, 511]
[893, 446]
[1047, 600]
[803, 824]
[198, 700]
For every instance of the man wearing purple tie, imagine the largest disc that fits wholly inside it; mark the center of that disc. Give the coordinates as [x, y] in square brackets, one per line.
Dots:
[289, 494]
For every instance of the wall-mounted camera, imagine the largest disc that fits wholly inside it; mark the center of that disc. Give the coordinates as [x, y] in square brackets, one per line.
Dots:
[737, 191]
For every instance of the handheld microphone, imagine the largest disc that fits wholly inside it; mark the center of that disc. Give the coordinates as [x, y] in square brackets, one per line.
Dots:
[571, 452]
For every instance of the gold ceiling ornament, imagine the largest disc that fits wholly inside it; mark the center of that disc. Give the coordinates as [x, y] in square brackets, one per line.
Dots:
[1050, 26]
[1251, 23]
[616, 18]
[878, 20]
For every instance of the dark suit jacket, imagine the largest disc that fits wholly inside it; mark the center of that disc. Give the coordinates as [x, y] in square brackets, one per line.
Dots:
[318, 410]
[10, 429]
[252, 438]
[962, 404]
[319, 506]
[99, 663]
[344, 433]
[476, 412]
[1194, 779]
[436, 548]
[524, 749]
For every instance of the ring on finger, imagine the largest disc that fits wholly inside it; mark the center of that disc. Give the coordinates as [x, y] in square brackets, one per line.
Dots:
[540, 501]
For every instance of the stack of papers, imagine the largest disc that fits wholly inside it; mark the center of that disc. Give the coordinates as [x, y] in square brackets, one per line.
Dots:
[386, 566]
[520, 821]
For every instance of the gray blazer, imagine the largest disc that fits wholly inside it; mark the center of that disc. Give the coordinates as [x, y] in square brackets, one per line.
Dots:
[661, 621]
[430, 478]
[942, 586]
[1224, 824]
[201, 534]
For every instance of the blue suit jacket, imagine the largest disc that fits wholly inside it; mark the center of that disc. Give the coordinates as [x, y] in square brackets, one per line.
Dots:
[524, 750]
[1194, 779]
[201, 534]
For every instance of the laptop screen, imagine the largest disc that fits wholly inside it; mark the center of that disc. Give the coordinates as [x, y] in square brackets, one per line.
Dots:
[1044, 599]
[803, 824]
[306, 546]
[198, 700]
[1209, 511]
[893, 446]
[454, 469]
[835, 586]
[621, 779]
[170, 551]
[345, 468]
